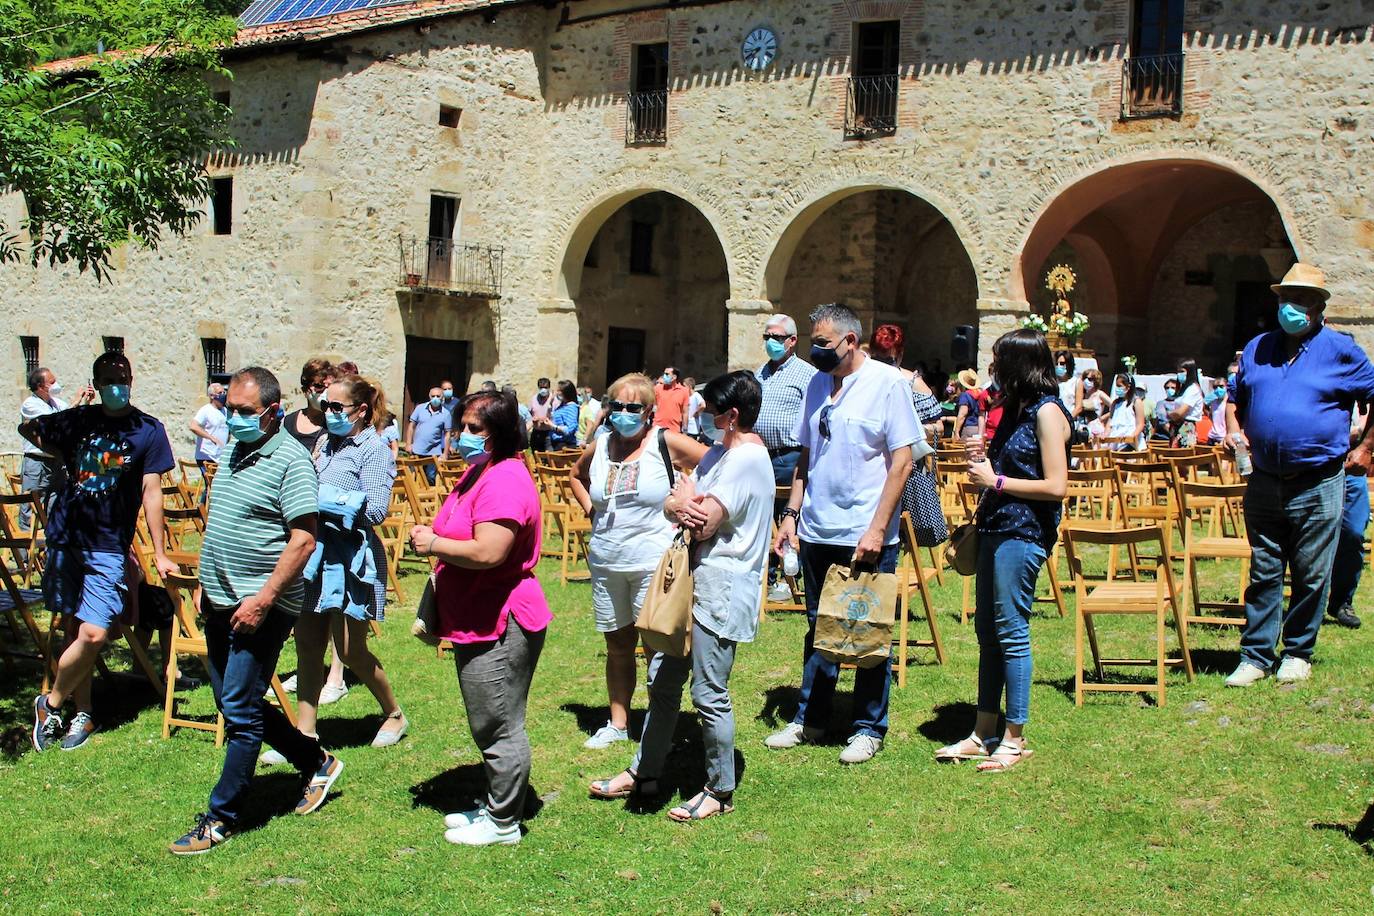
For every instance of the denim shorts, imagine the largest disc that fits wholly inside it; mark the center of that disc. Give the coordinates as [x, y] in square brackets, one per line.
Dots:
[89, 585]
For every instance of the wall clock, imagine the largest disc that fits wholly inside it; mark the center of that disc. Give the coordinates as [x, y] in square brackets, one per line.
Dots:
[760, 48]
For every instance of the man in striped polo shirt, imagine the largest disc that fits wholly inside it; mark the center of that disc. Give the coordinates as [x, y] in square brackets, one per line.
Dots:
[260, 533]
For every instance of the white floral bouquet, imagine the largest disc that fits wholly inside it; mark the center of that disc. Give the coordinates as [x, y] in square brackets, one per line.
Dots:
[1074, 326]
[1035, 322]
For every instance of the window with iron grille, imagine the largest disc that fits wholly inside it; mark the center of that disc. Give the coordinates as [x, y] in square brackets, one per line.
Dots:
[213, 349]
[112, 344]
[30, 347]
[647, 118]
[871, 103]
[1152, 77]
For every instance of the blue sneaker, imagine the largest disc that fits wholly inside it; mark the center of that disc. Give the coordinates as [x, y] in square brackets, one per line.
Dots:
[203, 837]
[79, 731]
[47, 725]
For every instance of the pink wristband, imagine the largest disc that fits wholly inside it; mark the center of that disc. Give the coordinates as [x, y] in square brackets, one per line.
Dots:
[1000, 481]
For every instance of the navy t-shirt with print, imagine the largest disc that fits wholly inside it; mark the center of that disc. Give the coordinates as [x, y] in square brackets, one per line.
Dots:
[106, 458]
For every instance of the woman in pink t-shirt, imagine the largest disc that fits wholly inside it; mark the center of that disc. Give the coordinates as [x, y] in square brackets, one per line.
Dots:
[486, 538]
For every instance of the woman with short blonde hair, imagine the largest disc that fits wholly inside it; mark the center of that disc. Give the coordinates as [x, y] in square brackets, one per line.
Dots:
[621, 482]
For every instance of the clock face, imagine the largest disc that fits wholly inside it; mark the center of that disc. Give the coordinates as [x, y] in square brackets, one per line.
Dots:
[760, 48]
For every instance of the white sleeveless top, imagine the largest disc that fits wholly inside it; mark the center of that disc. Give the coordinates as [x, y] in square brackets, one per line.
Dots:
[629, 531]
[1123, 424]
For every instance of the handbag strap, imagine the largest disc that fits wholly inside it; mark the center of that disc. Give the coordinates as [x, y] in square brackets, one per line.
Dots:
[667, 458]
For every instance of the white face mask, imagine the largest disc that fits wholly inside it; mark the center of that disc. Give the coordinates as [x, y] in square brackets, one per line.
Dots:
[55, 388]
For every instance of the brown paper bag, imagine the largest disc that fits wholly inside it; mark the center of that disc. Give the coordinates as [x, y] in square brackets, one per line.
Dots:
[855, 617]
[665, 620]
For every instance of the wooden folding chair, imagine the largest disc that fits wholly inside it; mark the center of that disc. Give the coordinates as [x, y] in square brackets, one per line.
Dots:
[18, 608]
[796, 600]
[1129, 598]
[187, 639]
[1148, 498]
[574, 527]
[1199, 500]
[25, 561]
[1091, 459]
[913, 578]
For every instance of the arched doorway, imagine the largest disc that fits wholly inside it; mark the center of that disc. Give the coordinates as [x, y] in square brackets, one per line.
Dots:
[888, 254]
[1174, 257]
[649, 279]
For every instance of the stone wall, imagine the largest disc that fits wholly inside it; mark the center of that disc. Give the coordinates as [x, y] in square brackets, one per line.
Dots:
[1004, 105]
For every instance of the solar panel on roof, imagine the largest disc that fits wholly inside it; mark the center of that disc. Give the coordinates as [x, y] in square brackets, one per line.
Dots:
[265, 12]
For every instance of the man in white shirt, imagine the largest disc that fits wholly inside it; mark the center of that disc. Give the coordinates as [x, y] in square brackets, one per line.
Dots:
[210, 426]
[855, 428]
[40, 472]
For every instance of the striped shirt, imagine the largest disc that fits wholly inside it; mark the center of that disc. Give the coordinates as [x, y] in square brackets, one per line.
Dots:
[256, 495]
[784, 387]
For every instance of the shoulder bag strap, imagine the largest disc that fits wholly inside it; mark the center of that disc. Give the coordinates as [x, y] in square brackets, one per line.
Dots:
[667, 458]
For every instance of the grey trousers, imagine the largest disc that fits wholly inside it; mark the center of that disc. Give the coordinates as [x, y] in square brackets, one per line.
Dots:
[42, 475]
[710, 663]
[495, 680]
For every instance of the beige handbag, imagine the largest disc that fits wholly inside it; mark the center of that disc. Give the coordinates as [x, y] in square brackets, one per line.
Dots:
[665, 620]
[962, 551]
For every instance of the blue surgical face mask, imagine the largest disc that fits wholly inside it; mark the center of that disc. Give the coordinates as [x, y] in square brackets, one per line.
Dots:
[774, 348]
[1182, 378]
[1230, 378]
[1216, 394]
[436, 401]
[667, 379]
[1061, 371]
[471, 446]
[115, 397]
[338, 424]
[448, 394]
[246, 429]
[1293, 320]
[1118, 392]
[627, 424]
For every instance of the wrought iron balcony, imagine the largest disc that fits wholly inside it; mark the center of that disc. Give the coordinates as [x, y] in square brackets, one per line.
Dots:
[646, 118]
[1152, 86]
[460, 270]
[871, 107]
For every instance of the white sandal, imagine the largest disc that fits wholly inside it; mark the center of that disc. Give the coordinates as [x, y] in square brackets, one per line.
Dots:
[956, 752]
[1006, 756]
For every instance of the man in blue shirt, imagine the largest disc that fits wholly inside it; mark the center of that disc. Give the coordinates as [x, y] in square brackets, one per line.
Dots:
[428, 430]
[1290, 406]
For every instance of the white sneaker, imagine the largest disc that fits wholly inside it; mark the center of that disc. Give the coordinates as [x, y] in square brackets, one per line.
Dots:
[289, 685]
[605, 736]
[482, 832]
[1245, 675]
[270, 758]
[331, 694]
[791, 735]
[779, 592]
[1292, 670]
[464, 818]
[861, 749]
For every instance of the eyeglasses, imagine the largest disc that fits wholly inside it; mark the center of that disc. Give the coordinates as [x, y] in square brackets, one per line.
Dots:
[618, 406]
[825, 420]
[337, 406]
[319, 388]
[780, 338]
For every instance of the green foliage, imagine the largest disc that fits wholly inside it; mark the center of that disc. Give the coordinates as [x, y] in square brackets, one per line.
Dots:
[113, 151]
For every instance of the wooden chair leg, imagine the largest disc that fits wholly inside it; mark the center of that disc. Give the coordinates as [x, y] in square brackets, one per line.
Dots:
[937, 562]
[1160, 656]
[285, 704]
[1092, 644]
[1078, 658]
[902, 630]
[169, 692]
[934, 628]
[141, 657]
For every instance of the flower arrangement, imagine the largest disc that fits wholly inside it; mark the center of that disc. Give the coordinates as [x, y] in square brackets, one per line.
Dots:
[1035, 322]
[1071, 326]
[1128, 364]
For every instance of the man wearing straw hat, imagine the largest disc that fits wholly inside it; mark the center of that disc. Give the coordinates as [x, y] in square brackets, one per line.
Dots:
[1290, 406]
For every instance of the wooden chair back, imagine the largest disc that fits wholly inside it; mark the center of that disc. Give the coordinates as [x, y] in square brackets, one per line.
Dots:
[1092, 459]
[913, 578]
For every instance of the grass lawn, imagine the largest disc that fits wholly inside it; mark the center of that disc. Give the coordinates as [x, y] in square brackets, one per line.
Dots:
[1223, 801]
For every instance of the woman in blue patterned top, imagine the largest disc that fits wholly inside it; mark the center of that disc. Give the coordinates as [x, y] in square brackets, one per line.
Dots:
[353, 459]
[563, 433]
[1024, 478]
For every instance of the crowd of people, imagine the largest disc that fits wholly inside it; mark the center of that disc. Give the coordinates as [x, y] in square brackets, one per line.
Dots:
[832, 449]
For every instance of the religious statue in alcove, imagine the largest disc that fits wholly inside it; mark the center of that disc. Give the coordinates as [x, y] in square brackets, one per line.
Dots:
[1066, 327]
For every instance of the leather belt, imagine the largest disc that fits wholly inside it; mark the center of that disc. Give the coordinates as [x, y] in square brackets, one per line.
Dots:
[785, 450]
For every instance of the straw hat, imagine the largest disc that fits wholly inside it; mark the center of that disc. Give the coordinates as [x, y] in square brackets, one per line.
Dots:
[1304, 276]
[968, 378]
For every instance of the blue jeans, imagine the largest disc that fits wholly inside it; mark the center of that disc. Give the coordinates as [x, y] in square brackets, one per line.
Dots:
[241, 667]
[1294, 523]
[1005, 593]
[784, 466]
[871, 685]
[1349, 562]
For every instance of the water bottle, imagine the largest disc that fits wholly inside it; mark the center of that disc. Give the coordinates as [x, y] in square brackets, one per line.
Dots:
[1243, 465]
[790, 565]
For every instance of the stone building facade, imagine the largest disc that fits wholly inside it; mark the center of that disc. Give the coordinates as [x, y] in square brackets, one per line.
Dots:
[1011, 147]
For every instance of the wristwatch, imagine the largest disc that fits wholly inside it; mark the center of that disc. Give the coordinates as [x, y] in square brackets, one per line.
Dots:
[791, 513]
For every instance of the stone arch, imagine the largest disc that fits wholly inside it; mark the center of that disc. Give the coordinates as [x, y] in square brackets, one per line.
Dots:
[813, 199]
[582, 218]
[1177, 249]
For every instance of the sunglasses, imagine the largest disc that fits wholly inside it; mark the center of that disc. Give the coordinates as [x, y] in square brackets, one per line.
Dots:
[825, 420]
[336, 406]
[780, 338]
[618, 406]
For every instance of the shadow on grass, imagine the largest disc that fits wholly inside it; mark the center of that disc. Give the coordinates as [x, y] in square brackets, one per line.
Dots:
[464, 788]
[1362, 833]
[341, 733]
[1214, 661]
[949, 723]
[591, 718]
[780, 708]
[270, 796]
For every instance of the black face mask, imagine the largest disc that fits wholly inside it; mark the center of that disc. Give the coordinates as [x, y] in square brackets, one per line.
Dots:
[824, 358]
